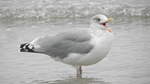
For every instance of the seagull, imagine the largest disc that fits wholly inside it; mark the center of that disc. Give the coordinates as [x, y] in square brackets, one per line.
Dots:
[76, 47]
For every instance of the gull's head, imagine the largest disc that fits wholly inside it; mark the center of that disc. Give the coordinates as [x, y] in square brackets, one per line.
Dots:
[100, 21]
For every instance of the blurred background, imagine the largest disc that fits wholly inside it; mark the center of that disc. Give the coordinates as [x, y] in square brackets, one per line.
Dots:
[22, 20]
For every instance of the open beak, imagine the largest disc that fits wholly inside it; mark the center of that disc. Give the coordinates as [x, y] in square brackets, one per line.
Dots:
[105, 23]
[109, 20]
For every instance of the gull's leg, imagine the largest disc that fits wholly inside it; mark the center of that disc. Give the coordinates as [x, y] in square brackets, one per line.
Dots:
[79, 71]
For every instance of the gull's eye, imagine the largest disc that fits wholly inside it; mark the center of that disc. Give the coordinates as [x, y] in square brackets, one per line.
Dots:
[98, 19]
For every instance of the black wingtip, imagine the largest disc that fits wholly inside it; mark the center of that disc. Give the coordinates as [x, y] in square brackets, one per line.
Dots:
[23, 47]
[22, 50]
[26, 47]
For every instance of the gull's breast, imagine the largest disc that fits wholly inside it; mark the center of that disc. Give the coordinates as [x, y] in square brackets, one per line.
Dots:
[100, 50]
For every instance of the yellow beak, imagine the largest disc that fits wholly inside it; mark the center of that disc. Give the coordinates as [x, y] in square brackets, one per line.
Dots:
[110, 19]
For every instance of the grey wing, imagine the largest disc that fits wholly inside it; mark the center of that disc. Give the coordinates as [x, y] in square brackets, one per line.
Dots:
[68, 42]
